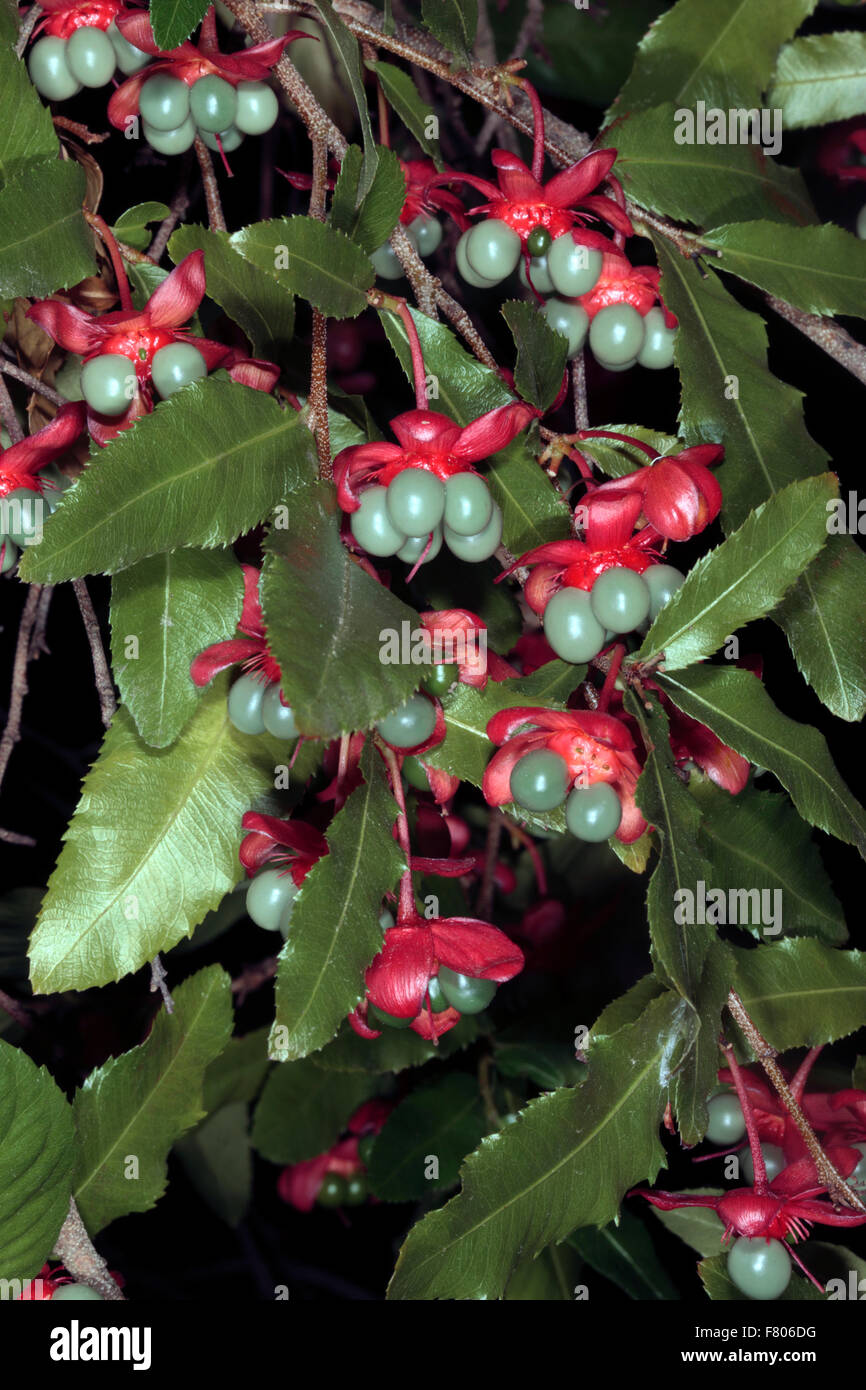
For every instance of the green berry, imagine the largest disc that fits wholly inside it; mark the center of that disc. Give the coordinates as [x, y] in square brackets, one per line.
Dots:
[468, 504]
[8, 555]
[727, 1124]
[774, 1162]
[539, 274]
[258, 108]
[760, 1268]
[539, 780]
[377, 1018]
[438, 1002]
[279, 718]
[229, 139]
[129, 58]
[22, 514]
[409, 725]
[493, 249]
[658, 347]
[616, 335]
[538, 241]
[371, 524]
[76, 1293]
[428, 234]
[415, 775]
[440, 679]
[620, 599]
[356, 1190]
[175, 366]
[333, 1191]
[479, 282]
[479, 547]
[570, 321]
[573, 269]
[170, 142]
[593, 813]
[662, 582]
[386, 919]
[465, 994]
[164, 102]
[571, 627]
[245, 704]
[109, 383]
[365, 1148]
[90, 56]
[50, 72]
[385, 262]
[213, 103]
[270, 897]
[415, 546]
[416, 501]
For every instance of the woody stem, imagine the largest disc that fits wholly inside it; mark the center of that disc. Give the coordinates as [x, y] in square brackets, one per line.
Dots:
[766, 1055]
[102, 230]
[318, 417]
[215, 217]
[760, 1167]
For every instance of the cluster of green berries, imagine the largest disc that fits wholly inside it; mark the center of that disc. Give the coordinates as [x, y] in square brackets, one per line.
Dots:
[109, 382]
[619, 336]
[352, 1191]
[578, 624]
[417, 509]
[59, 68]
[172, 113]
[540, 782]
[425, 234]
[255, 707]
[23, 513]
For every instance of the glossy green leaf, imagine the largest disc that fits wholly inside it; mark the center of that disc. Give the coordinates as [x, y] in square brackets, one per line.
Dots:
[744, 577]
[27, 134]
[801, 993]
[566, 1162]
[133, 226]
[247, 294]
[36, 1158]
[820, 78]
[45, 243]
[218, 1161]
[628, 1007]
[453, 22]
[335, 930]
[551, 1278]
[369, 223]
[699, 1227]
[310, 259]
[540, 353]
[205, 467]
[135, 1106]
[173, 606]
[821, 615]
[735, 705]
[304, 1109]
[151, 848]
[625, 1255]
[821, 270]
[325, 616]
[174, 20]
[442, 1121]
[237, 1074]
[402, 94]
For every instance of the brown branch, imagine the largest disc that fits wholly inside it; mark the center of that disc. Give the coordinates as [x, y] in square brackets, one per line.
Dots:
[766, 1055]
[75, 1248]
[101, 672]
[38, 644]
[158, 983]
[28, 24]
[578, 391]
[48, 393]
[252, 976]
[216, 220]
[8, 414]
[12, 837]
[835, 340]
[13, 1008]
[484, 901]
[177, 211]
[12, 731]
[317, 416]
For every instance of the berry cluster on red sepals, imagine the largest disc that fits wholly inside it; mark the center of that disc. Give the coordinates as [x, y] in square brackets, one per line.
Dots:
[337, 1177]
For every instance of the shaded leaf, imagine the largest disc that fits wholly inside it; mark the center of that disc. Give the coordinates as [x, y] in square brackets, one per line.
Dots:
[549, 1278]
[625, 1255]
[310, 259]
[247, 294]
[236, 1075]
[699, 1227]
[442, 1121]
[174, 20]
[304, 1109]
[369, 223]
[347, 49]
[540, 353]
[821, 270]
[396, 1050]
[45, 243]
[27, 135]
[133, 226]
[800, 993]
[218, 1161]
[36, 1158]
[453, 22]
[402, 94]
[821, 618]
[820, 79]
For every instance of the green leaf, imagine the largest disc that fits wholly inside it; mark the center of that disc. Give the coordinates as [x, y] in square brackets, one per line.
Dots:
[237, 1074]
[347, 49]
[718, 51]
[801, 993]
[247, 294]
[544, 1062]
[36, 1157]
[27, 135]
[325, 617]
[821, 270]
[699, 1227]
[174, 605]
[540, 353]
[218, 1161]
[442, 1121]
[757, 838]
[304, 1109]
[696, 1076]
[206, 466]
[532, 509]
[617, 459]
[566, 1162]
[744, 577]
[133, 226]
[335, 921]
[310, 259]
[174, 20]
[704, 184]
[679, 949]
[551, 1278]
[735, 705]
[136, 1106]
[396, 1050]
[402, 94]
[370, 222]
[821, 617]
[636, 855]
[151, 848]
[45, 243]
[720, 1286]
[820, 79]
[624, 1254]
[596, 69]
[453, 22]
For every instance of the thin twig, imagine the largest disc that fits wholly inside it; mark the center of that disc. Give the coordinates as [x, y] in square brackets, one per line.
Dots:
[177, 211]
[158, 983]
[9, 415]
[252, 976]
[484, 903]
[216, 220]
[48, 393]
[12, 837]
[28, 24]
[38, 644]
[317, 418]
[12, 731]
[578, 391]
[101, 672]
[835, 340]
[75, 1248]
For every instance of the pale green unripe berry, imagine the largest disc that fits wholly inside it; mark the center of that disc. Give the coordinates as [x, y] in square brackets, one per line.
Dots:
[245, 704]
[493, 249]
[760, 1268]
[213, 103]
[571, 627]
[478, 282]
[164, 102]
[573, 269]
[257, 109]
[480, 546]
[570, 321]
[468, 504]
[593, 813]
[129, 58]
[415, 546]
[616, 335]
[427, 232]
[409, 725]
[229, 139]
[90, 56]
[371, 524]
[170, 142]
[657, 352]
[270, 897]
[76, 1293]
[175, 366]
[539, 274]
[663, 581]
[279, 718]
[109, 383]
[416, 501]
[727, 1123]
[49, 70]
[620, 599]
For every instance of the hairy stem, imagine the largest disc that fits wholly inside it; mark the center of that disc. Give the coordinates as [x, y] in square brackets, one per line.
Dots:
[75, 1248]
[101, 671]
[215, 217]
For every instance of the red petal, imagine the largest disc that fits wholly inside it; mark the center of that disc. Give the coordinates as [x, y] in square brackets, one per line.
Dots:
[49, 442]
[221, 655]
[516, 180]
[68, 326]
[570, 186]
[255, 373]
[295, 835]
[496, 783]
[610, 211]
[180, 293]
[214, 354]
[124, 101]
[476, 949]
[492, 432]
[360, 1025]
[429, 1025]
[611, 517]
[672, 501]
[299, 1185]
[137, 30]
[397, 979]
[426, 431]
[254, 64]
[251, 621]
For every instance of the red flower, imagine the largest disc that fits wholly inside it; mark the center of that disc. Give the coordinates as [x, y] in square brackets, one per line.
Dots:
[20, 463]
[622, 283]
[680, 496]
[428, 440]
[271, 840]
[252, 649]
[424, 197]
[842, 152]
[191, 61]
[398, 979]
[596, 748]
[62, 17]
[299, 1184]
[460, 637]
[137, 336]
